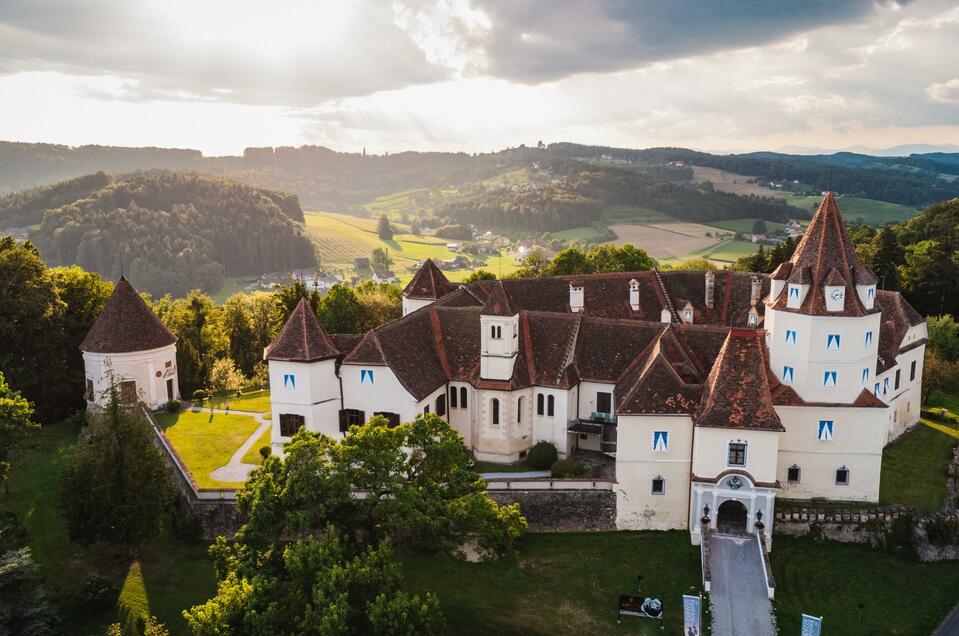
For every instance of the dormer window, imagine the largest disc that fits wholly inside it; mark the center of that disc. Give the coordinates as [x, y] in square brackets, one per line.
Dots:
[576, 300]
[794, 292]
[753, 318]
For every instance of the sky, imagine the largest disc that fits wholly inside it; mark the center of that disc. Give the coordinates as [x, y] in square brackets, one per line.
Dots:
[480, 75]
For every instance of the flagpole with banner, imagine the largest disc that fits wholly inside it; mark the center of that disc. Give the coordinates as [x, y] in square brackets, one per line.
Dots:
[811, 625]
[691, 615]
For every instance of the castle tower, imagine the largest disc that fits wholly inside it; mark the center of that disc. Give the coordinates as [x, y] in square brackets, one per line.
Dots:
[499, 335]
[428, 285]
[821, 317]
[129, 347]
[304, 387]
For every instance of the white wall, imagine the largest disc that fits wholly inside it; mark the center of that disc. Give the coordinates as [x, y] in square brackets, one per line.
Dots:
[141, 367]
[637, 464]
[313, 393]
[587, 397]
[505, 441]
[553, 428]
[384, 393]
[412, 304]
[710, 452]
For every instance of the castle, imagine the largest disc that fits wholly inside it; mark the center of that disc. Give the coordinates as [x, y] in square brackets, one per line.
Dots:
[713, 392]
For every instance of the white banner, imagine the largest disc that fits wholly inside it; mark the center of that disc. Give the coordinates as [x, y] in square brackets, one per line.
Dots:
[691, 615]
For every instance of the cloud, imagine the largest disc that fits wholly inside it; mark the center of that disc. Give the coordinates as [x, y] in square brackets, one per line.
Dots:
[944, 92]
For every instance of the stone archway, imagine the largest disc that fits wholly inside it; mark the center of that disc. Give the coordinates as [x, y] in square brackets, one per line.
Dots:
[731, 517]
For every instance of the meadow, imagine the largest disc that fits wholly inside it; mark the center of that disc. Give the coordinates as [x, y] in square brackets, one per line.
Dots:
[855, 210]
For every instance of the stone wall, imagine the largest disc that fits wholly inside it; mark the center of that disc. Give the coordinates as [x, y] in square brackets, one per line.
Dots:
[563, 510]
[848, 525]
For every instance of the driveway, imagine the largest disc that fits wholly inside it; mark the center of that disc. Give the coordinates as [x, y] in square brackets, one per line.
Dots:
[738, 599]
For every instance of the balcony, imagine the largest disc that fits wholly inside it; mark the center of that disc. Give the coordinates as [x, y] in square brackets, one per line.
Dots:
[604, 418]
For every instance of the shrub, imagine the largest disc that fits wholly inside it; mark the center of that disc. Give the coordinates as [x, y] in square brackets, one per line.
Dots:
[568, 468]
[199, 395]
[96, 592]
[265, 452]
[943, 531]
[173, 406]
[541, 456]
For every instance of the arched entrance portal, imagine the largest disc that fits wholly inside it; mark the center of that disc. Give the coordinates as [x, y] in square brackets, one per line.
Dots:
[731, 517]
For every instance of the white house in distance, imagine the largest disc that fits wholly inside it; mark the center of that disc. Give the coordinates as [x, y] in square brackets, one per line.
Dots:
[128, 346]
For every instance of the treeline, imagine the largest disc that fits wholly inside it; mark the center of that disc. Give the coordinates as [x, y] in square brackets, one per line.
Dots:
[583, 192]
[170, 232]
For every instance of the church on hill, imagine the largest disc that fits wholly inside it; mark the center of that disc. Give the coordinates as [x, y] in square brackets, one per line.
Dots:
[713, 392]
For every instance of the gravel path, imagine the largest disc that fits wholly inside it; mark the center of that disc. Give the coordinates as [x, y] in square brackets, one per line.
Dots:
[738, 598]
[236, 470]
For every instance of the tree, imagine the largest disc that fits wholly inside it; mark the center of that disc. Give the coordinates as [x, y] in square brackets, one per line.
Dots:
[695, 265]
[938, 375]
[225, 381]
[384, 229]
[533, 265]
[237, 327]
[15, 424]
[339, 310]
[480, 274]
[24, 608]
[887, 256]
[201, 339]
[379, 303]
[570, 261]
[152, 627]
[632, 259]
[928, 275]
[115, 485]
[943, 337]
[415, 227]
[759, 227]
[381, 260]
[287, 298]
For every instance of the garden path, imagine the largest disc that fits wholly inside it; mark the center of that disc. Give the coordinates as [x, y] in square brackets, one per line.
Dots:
[236, 470]
[738, 595]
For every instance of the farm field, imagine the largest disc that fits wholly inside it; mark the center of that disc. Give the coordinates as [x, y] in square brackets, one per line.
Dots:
[665, 240]
[731, 182]
[854, 209]
[745, 225]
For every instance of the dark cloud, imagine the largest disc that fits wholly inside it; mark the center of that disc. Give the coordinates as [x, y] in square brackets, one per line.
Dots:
[542, 40]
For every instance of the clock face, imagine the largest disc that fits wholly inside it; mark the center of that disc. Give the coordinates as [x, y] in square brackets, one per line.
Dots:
[837, 294]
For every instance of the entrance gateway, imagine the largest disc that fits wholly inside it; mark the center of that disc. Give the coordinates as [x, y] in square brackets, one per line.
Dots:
[733, 499]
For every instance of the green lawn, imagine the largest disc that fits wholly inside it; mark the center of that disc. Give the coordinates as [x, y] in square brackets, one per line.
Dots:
[947, 400]
[914, 469]
[231, 286]
[728, 251]
[254, 402]
[854, 209]
[829, 579]
[252, 456]
[564, 584]
[206, 445]
[170, 576]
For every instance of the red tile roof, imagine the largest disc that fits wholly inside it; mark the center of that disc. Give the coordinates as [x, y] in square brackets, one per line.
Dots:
[126, 324]
[302, 338]
[428, 283]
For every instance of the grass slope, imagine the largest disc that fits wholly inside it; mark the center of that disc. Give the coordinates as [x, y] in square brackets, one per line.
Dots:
[854, 209]
[170, 576]
[206, 445]
[914, 469]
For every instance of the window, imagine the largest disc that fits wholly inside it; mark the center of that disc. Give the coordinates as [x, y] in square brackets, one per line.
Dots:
[604, 402]
[842, 476]
[392, 419]
[519, 410]
[426, 409]
[540, 404]
[868, 338]
[453, 397]
[898, 373]
[825, 430]
[885, 386]
[289, 381]
[875, 390]
[366, 376]
[790, 337]
[168, 364]
[688, 314]
[128, 392]
[351, 417]
[290, 424]
[441, 405]
[737, 454]
[794, 292]
[912, 371]
[870, 293]
[170, 392]
[832, 342]
[658, 485]
[550, 404]
[865, 375]
[494, 411]
[462, 397]
[88, 395]
[660, 441]
[792, 474]
[496, 332]
[788, 375]
[829, 378]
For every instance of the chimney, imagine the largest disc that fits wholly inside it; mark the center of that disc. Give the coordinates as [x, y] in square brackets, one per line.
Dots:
[710, 289]
[576, 302]
[634, 294]
[755, 289]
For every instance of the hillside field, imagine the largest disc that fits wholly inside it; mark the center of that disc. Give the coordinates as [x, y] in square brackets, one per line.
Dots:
[731, 182]
[854, 209]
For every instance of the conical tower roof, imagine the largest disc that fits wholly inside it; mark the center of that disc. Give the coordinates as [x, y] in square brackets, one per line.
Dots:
[302, 338]
[429, 283]
[126, 324]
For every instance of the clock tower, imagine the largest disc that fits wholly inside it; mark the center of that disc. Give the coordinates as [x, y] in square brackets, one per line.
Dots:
[821, 320]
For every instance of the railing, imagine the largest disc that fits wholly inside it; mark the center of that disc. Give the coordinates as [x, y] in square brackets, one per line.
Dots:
[605, 418]
[567, 483]
[767, 567]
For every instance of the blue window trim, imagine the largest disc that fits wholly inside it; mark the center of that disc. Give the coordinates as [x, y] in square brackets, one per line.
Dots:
[826, 430]
[865, 375]
[830, 375]
[868, 338]
[660, 436]
[789, 374]
[832, 339]
[790, 336]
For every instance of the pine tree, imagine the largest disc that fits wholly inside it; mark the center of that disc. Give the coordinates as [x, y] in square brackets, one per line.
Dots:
[888, 256]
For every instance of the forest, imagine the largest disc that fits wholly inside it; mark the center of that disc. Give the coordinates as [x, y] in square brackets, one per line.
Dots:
[169, 232]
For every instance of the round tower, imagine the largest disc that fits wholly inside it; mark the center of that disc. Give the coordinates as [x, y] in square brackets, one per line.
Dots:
[128, 347]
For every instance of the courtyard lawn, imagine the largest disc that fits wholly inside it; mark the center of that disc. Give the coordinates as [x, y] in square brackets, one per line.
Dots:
[206, 445]
[254, 402]
[253, 456]
[914, 469]
[564, 584]
[829, 579]
[171, 576]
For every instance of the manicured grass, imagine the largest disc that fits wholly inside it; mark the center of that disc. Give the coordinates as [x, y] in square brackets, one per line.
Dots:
[252, 456]
[829, 579]
[206, 445]
[254, 402]
[745, 225]
[854, 209]
[174, 575]
[564, 584]
[914, 469]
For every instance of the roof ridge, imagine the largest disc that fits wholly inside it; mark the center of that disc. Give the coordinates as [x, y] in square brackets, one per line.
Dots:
[666, 298]
[571, 346]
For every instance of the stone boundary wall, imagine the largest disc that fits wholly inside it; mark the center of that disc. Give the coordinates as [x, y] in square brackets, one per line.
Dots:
[554, 510]
[847, 525]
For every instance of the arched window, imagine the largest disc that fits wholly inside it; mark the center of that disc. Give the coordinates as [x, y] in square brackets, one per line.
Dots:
[550, 403]
[494, 411]
[441, 405]
[519, 410]
[463, 397]
[452, 397]
[539, 404]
